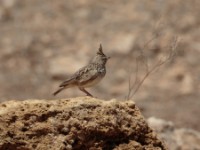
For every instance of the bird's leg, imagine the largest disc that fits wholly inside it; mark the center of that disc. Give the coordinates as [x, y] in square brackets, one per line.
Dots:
[86, 92]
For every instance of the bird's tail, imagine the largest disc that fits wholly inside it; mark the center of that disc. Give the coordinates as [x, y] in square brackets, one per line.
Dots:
[66, 84]
[58, 91]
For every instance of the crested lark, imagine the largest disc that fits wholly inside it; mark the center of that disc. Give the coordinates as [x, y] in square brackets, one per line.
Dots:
[87, 76]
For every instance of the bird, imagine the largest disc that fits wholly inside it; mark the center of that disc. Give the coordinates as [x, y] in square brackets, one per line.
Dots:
[87, 76]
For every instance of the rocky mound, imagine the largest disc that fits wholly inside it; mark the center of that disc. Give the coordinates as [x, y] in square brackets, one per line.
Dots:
[77, 123]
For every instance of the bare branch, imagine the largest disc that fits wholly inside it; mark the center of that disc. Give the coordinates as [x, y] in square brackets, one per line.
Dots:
[156, 35]
[131, 85]
[171, 55]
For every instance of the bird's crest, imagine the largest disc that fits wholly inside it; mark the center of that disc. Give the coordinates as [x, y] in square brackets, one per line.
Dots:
[100, 52]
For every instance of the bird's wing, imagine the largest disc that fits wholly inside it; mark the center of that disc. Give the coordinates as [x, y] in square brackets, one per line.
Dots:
[86, 74]
[67, 82]
[82, 76]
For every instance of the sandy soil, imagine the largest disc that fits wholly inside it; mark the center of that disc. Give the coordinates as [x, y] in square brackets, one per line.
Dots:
[80, 123]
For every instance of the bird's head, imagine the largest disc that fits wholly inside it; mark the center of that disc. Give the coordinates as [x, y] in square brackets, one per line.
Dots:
[100, 57]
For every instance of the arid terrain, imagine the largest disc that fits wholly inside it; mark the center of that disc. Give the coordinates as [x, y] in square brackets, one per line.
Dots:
[44, 42]
[80, 123]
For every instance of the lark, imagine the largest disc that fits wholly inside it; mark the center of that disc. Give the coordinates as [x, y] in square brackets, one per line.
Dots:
[87, 76]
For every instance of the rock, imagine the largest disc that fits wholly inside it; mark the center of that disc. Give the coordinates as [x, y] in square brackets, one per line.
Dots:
[76, 123]
[176, 139]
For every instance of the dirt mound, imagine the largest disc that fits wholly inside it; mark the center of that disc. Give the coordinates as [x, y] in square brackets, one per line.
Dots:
[77, 123]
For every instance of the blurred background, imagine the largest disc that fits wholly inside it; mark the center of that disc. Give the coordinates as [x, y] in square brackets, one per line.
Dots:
[44, 42]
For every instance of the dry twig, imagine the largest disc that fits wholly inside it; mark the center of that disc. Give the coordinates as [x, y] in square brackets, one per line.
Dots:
[133, 87]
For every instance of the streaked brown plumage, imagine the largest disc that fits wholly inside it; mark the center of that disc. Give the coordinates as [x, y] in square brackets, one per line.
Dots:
[87, 76]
